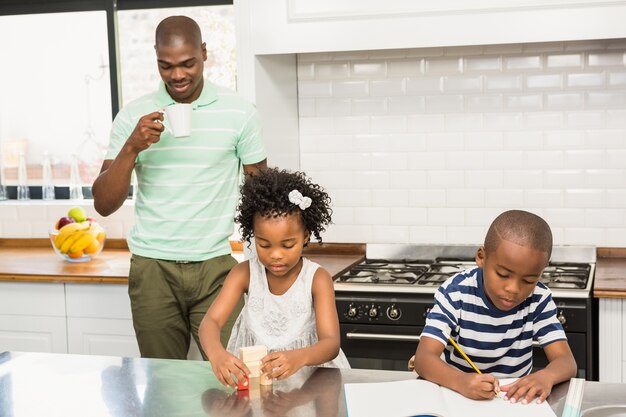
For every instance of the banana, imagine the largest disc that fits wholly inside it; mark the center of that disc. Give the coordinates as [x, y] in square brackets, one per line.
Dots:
[72, 227]
[69, 241]
[82, 241]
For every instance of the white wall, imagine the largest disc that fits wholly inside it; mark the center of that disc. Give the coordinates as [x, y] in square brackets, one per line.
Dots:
[429, 145]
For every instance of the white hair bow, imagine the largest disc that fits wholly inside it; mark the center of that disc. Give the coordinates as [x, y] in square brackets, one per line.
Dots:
[299, 200]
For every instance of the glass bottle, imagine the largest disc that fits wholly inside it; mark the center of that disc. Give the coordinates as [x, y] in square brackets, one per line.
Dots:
[23, 193]
[76, 187]
[47, 186]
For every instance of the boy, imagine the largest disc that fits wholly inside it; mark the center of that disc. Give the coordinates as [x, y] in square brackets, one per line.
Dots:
[494, 312]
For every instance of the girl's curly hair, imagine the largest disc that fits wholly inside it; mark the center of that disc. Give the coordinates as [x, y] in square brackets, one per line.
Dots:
[267, 193]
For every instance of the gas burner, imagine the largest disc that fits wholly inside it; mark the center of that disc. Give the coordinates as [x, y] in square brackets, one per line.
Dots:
[385, 272]
[566, 276]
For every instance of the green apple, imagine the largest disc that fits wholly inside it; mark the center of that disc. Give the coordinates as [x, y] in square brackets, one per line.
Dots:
[78, 214]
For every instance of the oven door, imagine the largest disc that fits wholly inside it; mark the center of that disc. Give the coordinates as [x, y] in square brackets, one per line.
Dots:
[577, 345]
[379, 347]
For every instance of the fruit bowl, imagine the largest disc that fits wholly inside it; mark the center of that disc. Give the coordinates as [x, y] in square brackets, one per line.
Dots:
[78, 242]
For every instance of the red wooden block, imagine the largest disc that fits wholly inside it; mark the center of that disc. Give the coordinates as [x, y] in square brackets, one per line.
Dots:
[243, 384]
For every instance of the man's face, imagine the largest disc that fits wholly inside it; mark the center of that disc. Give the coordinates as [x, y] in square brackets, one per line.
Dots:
[180, 66]
[510, 273]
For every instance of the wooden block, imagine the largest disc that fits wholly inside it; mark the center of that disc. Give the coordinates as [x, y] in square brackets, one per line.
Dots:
[255, 368]
[243, 384]
[265, 379]
[252, 353]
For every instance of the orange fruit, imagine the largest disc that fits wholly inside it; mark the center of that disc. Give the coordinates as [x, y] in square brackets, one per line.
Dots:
[75, 255]
[93, 247]
[100, 237]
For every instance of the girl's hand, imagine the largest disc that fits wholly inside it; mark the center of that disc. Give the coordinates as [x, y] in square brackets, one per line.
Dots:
[527, 388]
[226, 365]
[281, 365]
[478, 386]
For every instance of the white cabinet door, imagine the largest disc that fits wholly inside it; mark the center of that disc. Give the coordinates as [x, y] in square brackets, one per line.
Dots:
[32, 317]
[32, 334]
[110, 337]
[291, 26]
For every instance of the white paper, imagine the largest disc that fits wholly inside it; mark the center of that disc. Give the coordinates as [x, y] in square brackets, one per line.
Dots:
[416, 396]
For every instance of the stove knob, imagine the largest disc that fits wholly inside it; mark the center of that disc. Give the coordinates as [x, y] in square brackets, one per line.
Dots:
[561, 318]
[393, 312]
[352, 311]
[373, 312]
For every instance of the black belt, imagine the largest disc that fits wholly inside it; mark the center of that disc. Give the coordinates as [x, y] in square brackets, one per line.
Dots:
[182, 262]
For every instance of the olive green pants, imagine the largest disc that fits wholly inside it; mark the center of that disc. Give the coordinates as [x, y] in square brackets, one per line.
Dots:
[169, 300]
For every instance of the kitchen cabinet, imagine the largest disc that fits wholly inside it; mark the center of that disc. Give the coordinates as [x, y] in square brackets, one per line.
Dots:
[32, 317]
[612, 334]
[300, 26]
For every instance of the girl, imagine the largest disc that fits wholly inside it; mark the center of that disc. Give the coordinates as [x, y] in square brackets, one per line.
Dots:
[289, 300]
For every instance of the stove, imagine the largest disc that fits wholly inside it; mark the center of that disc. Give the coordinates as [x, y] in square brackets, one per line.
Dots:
[383, 302]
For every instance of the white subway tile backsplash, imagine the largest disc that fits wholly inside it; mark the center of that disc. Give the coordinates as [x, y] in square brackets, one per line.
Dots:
[527, 62]
[586, 45]
[485, 103]
[467, 160]
[444, 141]
[564, 217]
[350, 88]
[563, 101]
[605, 218]
[407, 179]
[606, 139]
[427, 234]
[389, 161]
[390, 234]
[564, 60]
[465, 197]
[605, 99]
[332, 70]
[484, 179]
[337, 180]
[507, 199]
[371, 215]
[588, 158]
[481, 217]
[523, 140]
[523, 178]
[462, 83]
[369, 69]
[443, 65]
[585, 80]
[388, 87]
[388, 124]
[425, 123]
[463, 121]
[564, 178]
[617, 79]
[544, 120]
[378, 54]
[426, 160]
[332, 107]
[422, 85]
[444, 103]
[407, 104]
[585, 198]
[390, 198]
[316, 125]
[605, 59]
[410, 142]
[543, 159]
[503, 121]
[615, 237]
[503, 83]
[408, 216]
[583, 235]
[523, 102]
[372, 180]
[616, 158]
[616, 118]
[616, 197]
[566, 139]
[503, 49]
[533, 48]
[446, 217]
[582, 119]
[306, 107]
[343, 215]
[326, 143]
[543, 198]
[445, 178]
[483, 63]
[352, 124]
[607, 178]
[308, 89]
[464, 235]
[504, 159]
[351, 198]
[427, 198]
[544, 81]
[369, 106]
[409, 67]
[305, 70]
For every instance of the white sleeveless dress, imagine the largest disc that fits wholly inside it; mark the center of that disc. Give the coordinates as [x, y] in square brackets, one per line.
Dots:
[280, 322]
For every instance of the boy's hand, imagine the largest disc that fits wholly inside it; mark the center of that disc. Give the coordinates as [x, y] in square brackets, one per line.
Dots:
[225, 365]
[478, 386]
[281, 365]
[527, 388]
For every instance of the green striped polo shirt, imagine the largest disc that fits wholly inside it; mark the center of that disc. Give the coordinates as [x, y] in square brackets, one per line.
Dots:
[189, 187]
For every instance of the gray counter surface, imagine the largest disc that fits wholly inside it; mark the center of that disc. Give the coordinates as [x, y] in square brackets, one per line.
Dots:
[42, 384]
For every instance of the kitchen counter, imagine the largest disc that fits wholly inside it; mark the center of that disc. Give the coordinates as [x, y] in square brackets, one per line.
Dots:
[33, 260]
[610, 277]
[78, 385]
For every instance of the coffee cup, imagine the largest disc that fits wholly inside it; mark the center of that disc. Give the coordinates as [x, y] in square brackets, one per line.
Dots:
[178, 119]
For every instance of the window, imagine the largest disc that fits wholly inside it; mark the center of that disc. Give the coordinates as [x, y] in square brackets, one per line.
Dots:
[56, 89]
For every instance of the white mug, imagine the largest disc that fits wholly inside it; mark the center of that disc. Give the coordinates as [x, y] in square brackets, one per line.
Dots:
[178, 119]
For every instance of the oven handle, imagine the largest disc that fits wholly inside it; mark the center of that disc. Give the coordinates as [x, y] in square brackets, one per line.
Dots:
[396, 337]
[382, 336]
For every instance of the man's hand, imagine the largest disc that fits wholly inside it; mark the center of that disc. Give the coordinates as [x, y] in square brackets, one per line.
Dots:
[147, 132]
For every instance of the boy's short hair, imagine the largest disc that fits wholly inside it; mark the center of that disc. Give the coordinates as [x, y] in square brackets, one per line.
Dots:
[522, 228]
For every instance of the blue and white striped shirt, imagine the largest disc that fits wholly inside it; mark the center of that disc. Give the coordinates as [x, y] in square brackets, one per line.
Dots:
[498, 342]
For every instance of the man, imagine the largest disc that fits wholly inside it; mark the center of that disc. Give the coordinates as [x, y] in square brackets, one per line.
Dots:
[188, 191]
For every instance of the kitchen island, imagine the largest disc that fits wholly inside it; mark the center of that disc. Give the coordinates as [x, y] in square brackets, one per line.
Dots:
[38, 384]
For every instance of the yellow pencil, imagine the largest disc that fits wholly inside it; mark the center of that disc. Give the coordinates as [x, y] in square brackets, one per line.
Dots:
[458, 348]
